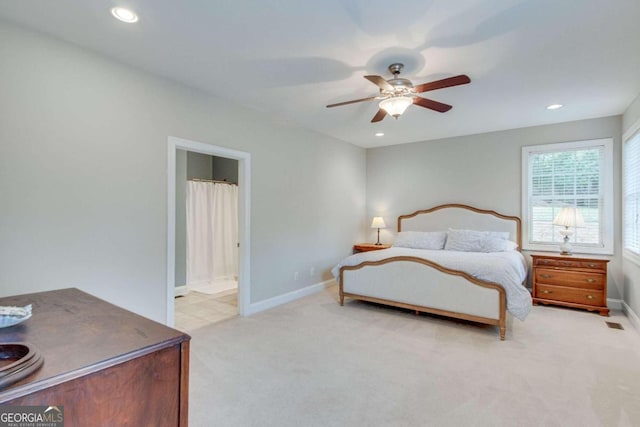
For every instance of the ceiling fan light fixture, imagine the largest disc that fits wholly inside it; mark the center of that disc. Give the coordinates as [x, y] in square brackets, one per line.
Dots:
[397, 94]
[124, 15]
[396, 105]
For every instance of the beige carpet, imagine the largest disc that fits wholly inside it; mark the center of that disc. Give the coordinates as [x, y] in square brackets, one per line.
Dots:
[314, 363]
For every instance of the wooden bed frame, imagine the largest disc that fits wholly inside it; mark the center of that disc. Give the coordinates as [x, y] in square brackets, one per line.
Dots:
[425, 286]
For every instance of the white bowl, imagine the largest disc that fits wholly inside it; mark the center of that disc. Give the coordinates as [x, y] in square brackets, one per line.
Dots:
[19, 314]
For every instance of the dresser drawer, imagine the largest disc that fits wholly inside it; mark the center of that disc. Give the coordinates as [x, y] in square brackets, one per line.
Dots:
[573, 295]
[574, 279]
[595, 265]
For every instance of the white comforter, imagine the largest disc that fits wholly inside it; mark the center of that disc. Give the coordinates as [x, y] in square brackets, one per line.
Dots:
[508, 269]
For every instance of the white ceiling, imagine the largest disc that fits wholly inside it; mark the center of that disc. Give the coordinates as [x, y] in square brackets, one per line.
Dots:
[289, 58]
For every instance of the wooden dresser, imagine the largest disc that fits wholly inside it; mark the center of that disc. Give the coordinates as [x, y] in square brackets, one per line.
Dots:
[570, 281]
[105, 365]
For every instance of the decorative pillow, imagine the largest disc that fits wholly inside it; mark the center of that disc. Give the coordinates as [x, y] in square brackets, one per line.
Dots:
[493, 244]
[478, 241]
[420, 239]
[465, 240]
[504, 235]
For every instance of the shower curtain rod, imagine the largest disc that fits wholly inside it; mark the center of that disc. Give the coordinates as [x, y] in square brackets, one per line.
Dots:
[212, 180]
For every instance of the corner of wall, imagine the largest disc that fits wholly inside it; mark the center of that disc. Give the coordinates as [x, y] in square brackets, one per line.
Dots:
[632, 316]
[631, 115]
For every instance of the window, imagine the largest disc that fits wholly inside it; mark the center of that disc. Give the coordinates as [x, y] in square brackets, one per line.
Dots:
[576, 174]
[631, 196]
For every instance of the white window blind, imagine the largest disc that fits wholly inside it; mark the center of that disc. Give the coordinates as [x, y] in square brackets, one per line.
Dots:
[631, 190]
[575, 174]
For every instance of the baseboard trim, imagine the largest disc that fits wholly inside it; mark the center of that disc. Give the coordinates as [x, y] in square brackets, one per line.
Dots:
[267, 304]
[632, 316]
[181, 291]
[614, 304]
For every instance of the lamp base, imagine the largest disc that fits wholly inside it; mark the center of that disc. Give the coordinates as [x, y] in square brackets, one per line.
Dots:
[565, 247]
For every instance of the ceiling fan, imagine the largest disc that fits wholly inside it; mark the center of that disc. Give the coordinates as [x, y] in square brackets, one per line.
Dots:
[397, 94]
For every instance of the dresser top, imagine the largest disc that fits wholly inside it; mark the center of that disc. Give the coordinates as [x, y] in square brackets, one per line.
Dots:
[569, 257]
[77, 334]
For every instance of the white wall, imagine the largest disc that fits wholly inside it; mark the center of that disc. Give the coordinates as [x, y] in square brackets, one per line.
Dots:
[83, 197]
[480, 170]
[631, 115]
[630, 269]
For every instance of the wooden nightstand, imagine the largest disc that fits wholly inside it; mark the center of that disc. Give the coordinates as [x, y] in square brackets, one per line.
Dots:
[366, 247]
[571, 282]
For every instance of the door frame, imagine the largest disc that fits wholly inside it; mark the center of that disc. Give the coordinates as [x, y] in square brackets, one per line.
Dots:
[244, 218]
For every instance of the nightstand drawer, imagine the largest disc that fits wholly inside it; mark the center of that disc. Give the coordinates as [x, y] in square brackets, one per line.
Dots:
[557, 263]
[572, 279]
[595, 265]
[574, 295]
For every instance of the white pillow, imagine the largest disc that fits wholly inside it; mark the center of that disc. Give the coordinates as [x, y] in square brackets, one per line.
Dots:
[478, 241]
[504, 235]
[420, 239]
[465, 240]
[493, 244]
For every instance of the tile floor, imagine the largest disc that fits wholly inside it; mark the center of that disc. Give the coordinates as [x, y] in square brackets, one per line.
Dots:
[197, 309]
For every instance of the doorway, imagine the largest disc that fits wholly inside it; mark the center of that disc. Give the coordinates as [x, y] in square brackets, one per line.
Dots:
[226, 159]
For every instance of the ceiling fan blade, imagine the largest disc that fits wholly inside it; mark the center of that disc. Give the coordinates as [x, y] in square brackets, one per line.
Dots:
[380, 82]
[379, 116]
[371, 98]
[439, 84]
[431, 104]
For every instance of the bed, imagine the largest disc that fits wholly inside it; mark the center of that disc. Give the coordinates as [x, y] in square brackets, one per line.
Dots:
[478, 279]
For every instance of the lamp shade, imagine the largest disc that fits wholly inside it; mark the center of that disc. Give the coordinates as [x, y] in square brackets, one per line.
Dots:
[569, 217]
[378, 222]
[396, 105]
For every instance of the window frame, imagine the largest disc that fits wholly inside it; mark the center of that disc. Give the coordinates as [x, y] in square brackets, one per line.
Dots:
[606, 190]
[632, 133]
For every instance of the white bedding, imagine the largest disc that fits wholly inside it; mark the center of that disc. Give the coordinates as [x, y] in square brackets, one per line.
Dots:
[508, 269]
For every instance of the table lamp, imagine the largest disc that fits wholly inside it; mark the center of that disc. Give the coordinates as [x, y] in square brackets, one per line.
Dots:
[568, 217]
[378, 222]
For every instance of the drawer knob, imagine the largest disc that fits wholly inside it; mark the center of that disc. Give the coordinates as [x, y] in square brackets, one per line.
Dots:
[546, 292]
[591, 280]
[592, 265]
[546, 276]
[590, 297]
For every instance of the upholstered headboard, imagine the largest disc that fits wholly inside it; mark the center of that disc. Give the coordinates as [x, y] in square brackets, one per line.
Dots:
[443, 217]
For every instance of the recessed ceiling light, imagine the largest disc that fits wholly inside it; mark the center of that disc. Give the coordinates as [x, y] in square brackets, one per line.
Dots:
[554, 106]
[380, 134]
[124, 15]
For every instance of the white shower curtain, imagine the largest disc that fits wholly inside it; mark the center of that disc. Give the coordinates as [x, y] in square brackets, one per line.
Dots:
[212, 233]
